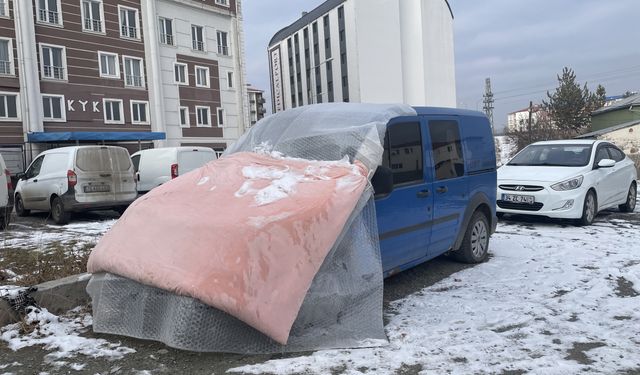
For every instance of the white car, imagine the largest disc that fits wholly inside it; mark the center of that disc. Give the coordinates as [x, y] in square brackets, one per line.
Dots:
[568, 179]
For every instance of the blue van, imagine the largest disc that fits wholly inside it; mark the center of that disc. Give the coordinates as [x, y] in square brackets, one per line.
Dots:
[436, 189]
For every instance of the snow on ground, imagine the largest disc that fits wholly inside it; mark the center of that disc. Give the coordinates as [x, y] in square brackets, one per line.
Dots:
[60, 335]
[29, 238]
[506, 147]
[553, 299]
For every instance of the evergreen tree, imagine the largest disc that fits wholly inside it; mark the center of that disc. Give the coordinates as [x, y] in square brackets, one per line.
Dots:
[598, 98]
[568, 106]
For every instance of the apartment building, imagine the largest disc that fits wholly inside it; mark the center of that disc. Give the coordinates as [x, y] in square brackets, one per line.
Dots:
[373, 51]
[256, 104]
[104, 71]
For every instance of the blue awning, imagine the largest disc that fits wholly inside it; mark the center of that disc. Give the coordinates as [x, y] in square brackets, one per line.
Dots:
[48, 137]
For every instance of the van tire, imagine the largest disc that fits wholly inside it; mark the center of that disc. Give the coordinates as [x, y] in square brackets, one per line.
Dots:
[630, 204]
[20, 210]
[475, 244]
[589, 209]
[59, 215]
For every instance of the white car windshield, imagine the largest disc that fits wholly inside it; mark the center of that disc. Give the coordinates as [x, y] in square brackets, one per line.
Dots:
[556, 155]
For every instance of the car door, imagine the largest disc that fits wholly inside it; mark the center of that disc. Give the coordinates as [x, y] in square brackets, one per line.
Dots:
[621, 173]
[29, 190]
[404, 216]
[450, 185]
[605, 185]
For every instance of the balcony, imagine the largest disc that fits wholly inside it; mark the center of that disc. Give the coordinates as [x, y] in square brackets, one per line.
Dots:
[49, 16]
[133, 81]
[129, 32]
[223, 50]
[53, 72]
[166, 39]
[5, 68]
[198, 45]
[92, 24]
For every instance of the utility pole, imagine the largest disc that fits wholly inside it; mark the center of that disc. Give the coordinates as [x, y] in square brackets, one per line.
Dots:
[529, 123]
[488, 101]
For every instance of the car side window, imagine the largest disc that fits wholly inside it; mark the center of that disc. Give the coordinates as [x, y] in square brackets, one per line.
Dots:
[616, 154]
[403, 152]
[34, 169]
[448, 158]
[601, 154]
[136, 162]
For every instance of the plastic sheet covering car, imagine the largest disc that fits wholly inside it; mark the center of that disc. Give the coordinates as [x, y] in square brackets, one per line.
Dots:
[286, 258]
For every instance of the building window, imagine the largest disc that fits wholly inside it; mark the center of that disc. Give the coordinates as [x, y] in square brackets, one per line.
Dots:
[223, 2]
[53, 108]
[133, 71]
[128, 22]
[202, 76]
[4, 8]
[49, 12]
[230, 80]
[166, 31]
[197, 37]
[109, 65]
[8, 106]
[220, 116]
[6, 57]
[203, 116]
[180, 73]
[53, 60]
[223, 43]
[92, 15]
[184, 117]
[113, 111]
[139, 112]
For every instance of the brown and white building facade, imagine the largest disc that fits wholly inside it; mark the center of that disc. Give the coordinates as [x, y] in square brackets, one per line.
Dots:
[138, 73]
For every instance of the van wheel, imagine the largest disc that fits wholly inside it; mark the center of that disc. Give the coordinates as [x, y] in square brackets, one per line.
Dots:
[59, 215]
[589, 209]
[630, 204]
[475, 244]
[20, 210]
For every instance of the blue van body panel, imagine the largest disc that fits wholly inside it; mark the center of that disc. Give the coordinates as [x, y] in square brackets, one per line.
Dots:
[415, 227]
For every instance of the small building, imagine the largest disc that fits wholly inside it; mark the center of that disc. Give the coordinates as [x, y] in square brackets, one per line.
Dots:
[519, 120]
[371, 51]
[256, 104]
[626, 136]
[617, 112]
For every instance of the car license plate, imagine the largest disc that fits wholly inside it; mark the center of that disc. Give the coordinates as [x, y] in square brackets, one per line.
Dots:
[97, 188]
[528, 199]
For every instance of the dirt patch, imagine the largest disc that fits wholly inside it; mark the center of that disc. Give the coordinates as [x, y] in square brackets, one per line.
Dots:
[625, 288]
[460, 360]
[509, 328]
[578, 352]
[573, 318]
[560, 293]
[622, 317]
[409, 370]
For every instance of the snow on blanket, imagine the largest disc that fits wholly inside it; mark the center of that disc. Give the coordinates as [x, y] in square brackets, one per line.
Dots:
[61, 336]
[245, 234]
[552, 299]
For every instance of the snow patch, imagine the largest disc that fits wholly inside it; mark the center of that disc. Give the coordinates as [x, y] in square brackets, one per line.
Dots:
[262, 221]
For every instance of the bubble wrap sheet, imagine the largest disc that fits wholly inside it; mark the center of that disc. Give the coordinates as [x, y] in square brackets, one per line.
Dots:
[343, 307]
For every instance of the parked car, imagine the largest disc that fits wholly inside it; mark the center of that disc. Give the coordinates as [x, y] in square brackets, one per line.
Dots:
[154, 167]
[435, 190]
[73, 179]
[569, 179]
[6, 195]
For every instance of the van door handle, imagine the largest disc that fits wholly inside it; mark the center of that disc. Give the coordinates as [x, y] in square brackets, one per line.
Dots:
[442, 190]
[423, 194]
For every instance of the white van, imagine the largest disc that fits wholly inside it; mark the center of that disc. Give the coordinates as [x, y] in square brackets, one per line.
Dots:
[156, 166]
[73, 179]
[6, 195]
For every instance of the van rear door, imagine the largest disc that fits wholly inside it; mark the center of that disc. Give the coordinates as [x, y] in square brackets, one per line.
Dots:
[104, 174]
[404, 216]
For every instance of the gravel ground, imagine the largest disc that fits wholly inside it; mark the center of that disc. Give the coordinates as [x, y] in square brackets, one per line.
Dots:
[156, 358]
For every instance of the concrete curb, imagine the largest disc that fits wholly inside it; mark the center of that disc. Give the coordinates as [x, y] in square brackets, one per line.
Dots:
[57, 296]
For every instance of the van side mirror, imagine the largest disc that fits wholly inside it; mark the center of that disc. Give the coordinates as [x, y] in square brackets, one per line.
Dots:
[382, 181]
[606, 163]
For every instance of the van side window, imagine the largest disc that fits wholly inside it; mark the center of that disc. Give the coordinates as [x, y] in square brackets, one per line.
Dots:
[448, 159]
[403, 152]
[136, 162]
[34, 169]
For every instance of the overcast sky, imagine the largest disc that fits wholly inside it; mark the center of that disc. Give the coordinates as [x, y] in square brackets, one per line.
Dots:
[521, 45]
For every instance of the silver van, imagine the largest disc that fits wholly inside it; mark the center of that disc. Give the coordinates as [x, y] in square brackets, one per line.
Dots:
[74, 179]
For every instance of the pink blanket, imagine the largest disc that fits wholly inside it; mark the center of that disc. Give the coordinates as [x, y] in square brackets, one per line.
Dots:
[245, 234]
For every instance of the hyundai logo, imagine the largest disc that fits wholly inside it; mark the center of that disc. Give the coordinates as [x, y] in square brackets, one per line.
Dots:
[520, 188]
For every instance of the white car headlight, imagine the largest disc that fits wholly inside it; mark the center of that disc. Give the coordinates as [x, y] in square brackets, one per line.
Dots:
[571, 184]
